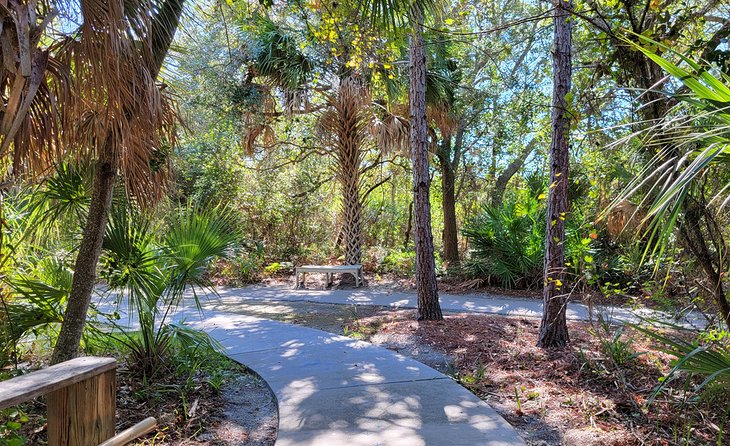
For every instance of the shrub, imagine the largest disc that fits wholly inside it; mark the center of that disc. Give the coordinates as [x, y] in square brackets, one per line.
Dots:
[401, 262]
[506, 245]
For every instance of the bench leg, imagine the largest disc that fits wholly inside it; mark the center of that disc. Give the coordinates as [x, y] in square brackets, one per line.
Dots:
[300, 283]
[357, 279]
[329, 280]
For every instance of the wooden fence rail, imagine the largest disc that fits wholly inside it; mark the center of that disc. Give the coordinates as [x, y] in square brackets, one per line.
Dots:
[81, 400]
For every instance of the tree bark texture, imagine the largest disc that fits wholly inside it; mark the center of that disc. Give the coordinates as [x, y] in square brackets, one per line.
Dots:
[553, 328]
[449, 155]
[345, 122]
[352, 215]
[448, 205]
[84, 278]
[426, 288]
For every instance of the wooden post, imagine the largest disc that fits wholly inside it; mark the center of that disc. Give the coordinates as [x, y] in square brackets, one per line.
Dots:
[81, 399]
[82, 414]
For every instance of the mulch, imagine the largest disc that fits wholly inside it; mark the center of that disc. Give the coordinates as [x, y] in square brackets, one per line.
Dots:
[592, 393]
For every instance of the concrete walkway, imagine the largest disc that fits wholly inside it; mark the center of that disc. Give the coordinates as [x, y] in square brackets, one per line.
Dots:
[467, 303]
[336, 391]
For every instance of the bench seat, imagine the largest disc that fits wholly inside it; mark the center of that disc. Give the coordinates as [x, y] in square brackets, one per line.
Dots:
[355, 270]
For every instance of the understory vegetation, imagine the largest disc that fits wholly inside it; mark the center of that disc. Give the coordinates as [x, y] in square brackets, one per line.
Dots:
[151, 151]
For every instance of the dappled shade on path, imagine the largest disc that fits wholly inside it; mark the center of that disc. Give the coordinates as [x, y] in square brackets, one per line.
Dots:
[334, 390]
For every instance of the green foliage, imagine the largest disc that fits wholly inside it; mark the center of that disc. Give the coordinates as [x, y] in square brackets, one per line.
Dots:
[691, 140]
[707, 359]
[400, 262]
[615, 345]
[35, 307]
[153, 275]
[506, 244]
[243, 267]
[11, 420]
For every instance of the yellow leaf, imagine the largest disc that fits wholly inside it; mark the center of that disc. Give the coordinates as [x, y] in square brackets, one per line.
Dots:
[541, 196]
[449, 21]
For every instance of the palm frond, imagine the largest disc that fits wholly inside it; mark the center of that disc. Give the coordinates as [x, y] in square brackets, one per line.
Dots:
[692, 139]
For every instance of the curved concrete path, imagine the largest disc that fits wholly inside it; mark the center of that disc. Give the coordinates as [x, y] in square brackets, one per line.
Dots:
[463, 303]
[336, 391]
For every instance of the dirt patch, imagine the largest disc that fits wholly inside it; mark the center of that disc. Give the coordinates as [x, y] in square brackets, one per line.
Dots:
[250, 415]
[332, 318]
[241, 410]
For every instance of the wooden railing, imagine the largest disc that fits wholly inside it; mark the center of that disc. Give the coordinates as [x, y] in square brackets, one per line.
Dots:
[81, 402]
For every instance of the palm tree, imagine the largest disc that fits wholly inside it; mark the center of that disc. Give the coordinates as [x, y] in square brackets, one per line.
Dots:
[120, 116]
[689, 142]
[349, 121]
[34, 81]
[554, 328]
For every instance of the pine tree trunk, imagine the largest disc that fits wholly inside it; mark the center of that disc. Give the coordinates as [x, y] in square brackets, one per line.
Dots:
[428, 300]
[84, 278]
[553, 328]
[448, 205]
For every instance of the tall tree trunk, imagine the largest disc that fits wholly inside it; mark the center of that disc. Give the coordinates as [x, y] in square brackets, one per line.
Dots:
[428, 299]
[346, 123]
[554, 328]
[84, 278]
[409, 227]
[448, 204]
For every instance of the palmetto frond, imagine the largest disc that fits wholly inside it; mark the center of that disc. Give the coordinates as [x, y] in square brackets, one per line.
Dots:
[34, 82]
[391, 130]
[116, 103]
[279, 59]
[392, 14]
[694, 138]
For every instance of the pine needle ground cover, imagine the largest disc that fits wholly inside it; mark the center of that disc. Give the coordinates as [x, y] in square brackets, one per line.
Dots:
[592, 393]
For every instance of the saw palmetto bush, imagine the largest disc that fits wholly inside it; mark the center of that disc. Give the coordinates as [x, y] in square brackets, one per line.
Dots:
[152, 274]
[506, 245]
[33, 311]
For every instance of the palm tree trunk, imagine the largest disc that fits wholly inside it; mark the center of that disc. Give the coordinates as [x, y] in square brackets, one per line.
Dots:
[554, 328]
[426, 288]
[352, 216]
[84, 278]
[164, 25]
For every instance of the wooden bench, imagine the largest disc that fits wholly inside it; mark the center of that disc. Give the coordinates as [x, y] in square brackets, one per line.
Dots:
[355, 270]
[81, 402]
